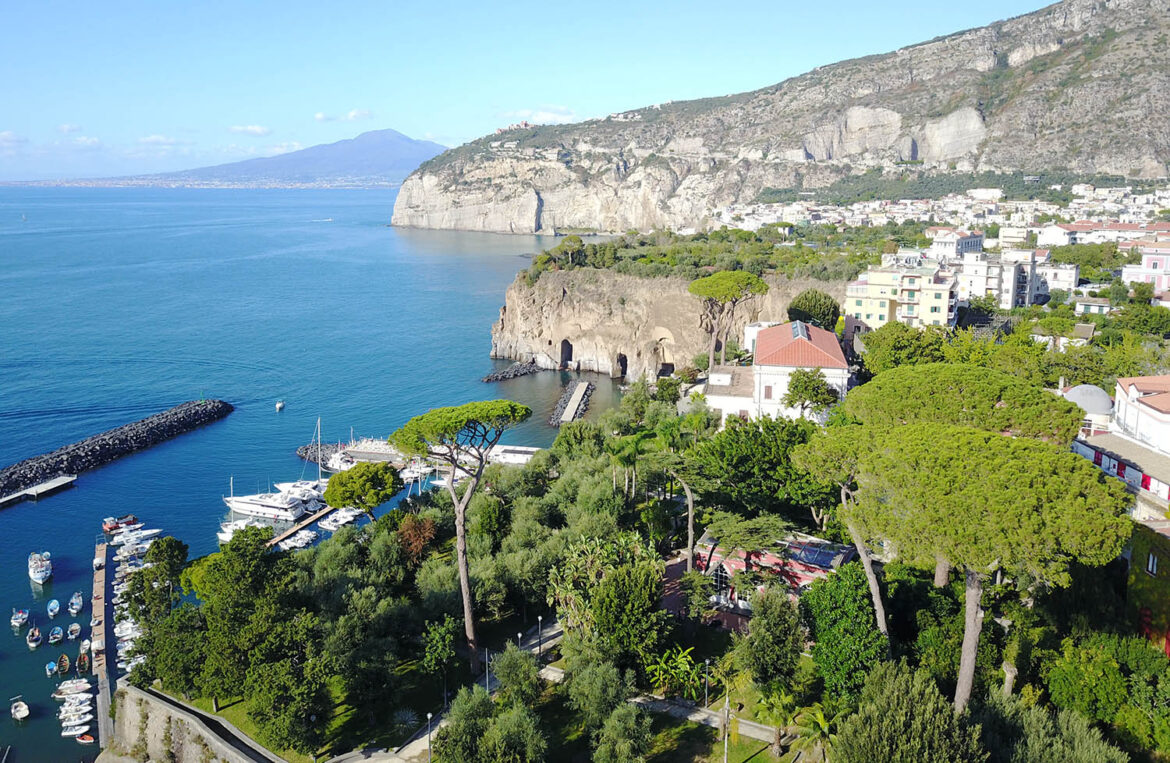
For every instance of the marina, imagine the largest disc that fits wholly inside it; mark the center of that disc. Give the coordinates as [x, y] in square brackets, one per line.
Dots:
[302, 525]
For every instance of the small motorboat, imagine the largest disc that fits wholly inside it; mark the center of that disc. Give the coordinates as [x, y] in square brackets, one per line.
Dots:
[56, 635]
[53, 608]
[76, 720]
[94, 621]
[109, 524]
[19, 617]
[85, 644]
[74, 631]
[76, 603]
[33, 638]
[18, 708]
[84, 739]
[63, 664]
[74, 731]
[50, 669]
[279, 405]
[69, 712]
[83, 663]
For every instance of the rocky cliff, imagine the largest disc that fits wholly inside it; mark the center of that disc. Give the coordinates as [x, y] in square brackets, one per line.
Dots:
[621, 325]
[1082, 86]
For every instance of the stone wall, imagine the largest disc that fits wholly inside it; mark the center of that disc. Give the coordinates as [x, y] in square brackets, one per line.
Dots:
[621, 325]
[146, 728]
[101, 449]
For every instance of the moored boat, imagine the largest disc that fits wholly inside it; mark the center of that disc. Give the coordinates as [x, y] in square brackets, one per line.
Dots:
[18, 708]
[63, 664]
[33, 637]
[50, 669]
[56, 635]
[83, 663]
[53, 608]
[40, 566]
[74, 631]
[85, 739]
[109, 524]
[19, 617]
[76, 603]
[85, 644]
[74, 731]
[76, 719]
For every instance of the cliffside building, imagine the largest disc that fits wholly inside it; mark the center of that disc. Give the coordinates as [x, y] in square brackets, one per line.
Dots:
[755, 391]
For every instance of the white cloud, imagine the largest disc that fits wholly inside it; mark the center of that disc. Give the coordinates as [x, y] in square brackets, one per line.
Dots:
[545, 115]
[9, 139]
[86, 142]
[158, 140]
[256, 130]
[351, 116]
[284, 148]
[65, 129]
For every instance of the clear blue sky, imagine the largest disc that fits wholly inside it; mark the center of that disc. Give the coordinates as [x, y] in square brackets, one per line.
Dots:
[122, 87]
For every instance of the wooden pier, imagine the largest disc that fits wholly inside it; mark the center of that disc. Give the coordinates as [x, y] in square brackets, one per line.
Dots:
[101, 640]
[301, 525]
[36, 492]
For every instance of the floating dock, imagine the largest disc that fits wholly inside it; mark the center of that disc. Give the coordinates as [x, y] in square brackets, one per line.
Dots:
[100, 637]
[36, 492]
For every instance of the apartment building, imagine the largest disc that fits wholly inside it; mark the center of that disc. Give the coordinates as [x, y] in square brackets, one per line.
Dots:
[908, 288]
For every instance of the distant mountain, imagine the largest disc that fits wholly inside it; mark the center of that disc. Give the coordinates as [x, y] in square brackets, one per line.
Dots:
[1082, 86]
[378, 157]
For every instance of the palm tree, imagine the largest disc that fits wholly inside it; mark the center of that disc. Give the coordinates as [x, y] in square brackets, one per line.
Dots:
[814, 734]
[777, 708]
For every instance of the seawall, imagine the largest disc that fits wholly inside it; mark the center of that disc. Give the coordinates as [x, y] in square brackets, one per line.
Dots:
[103, 448]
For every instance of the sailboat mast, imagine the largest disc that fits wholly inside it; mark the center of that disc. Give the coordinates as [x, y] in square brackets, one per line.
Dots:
[318, 450]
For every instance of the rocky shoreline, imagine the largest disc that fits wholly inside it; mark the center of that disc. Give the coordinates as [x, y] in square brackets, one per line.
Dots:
[511, 372]
[103, 448]
[327, 450]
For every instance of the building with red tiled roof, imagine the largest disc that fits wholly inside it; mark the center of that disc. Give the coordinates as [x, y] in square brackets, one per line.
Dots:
[758, 390]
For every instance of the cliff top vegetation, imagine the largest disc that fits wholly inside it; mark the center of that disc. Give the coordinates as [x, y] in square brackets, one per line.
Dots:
[823, 252]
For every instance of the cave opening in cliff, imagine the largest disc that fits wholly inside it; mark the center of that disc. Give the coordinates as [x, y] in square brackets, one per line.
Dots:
[622, 364]
[566, 352]
[666, 369]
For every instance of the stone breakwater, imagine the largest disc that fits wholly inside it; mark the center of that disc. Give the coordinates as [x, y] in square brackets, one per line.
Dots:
[101, 449]
[512, 371]
[327, 450]
[559, 410]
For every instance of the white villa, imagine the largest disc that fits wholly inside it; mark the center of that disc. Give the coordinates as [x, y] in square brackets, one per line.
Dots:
[757, 391]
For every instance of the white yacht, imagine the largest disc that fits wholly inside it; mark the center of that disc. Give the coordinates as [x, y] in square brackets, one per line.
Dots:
[228, 529]
[339, 462]
[135, 536]
[306, 488]
[281, 507]
[40, 568]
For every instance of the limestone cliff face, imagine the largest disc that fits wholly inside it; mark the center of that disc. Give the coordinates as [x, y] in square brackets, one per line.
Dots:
[599, 320]
[1083, 85]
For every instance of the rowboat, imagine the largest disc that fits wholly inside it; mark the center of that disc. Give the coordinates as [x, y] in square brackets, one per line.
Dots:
[63, 664]
[85, 739]
[83, 663]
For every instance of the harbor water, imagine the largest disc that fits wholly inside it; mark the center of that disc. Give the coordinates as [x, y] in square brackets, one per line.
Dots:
[119, 303]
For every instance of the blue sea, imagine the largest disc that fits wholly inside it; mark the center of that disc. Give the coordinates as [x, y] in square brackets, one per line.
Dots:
[119, 303]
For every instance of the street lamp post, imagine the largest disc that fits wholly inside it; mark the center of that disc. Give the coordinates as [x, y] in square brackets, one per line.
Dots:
[487, 671]
[706, 683]
[518, 637]
[429, 737]
[539, 637]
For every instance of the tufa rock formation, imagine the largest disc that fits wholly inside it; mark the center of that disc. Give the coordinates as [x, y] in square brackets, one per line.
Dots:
[1081, 86]
[621, 325]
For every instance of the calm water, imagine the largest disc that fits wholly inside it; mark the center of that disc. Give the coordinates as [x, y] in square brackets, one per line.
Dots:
[115, 304]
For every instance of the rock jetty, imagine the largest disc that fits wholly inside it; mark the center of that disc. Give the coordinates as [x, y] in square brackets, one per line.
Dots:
[327, 450]
[558, 414]
[512, 371]
[101, 449]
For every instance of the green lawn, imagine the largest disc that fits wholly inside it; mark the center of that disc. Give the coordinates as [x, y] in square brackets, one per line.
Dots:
[678, 741]
[233, 712]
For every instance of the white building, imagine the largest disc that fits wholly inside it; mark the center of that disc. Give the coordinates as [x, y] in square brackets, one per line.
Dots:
[757, 391]
[1154, 267]
[1142, 410]
[752, 331]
